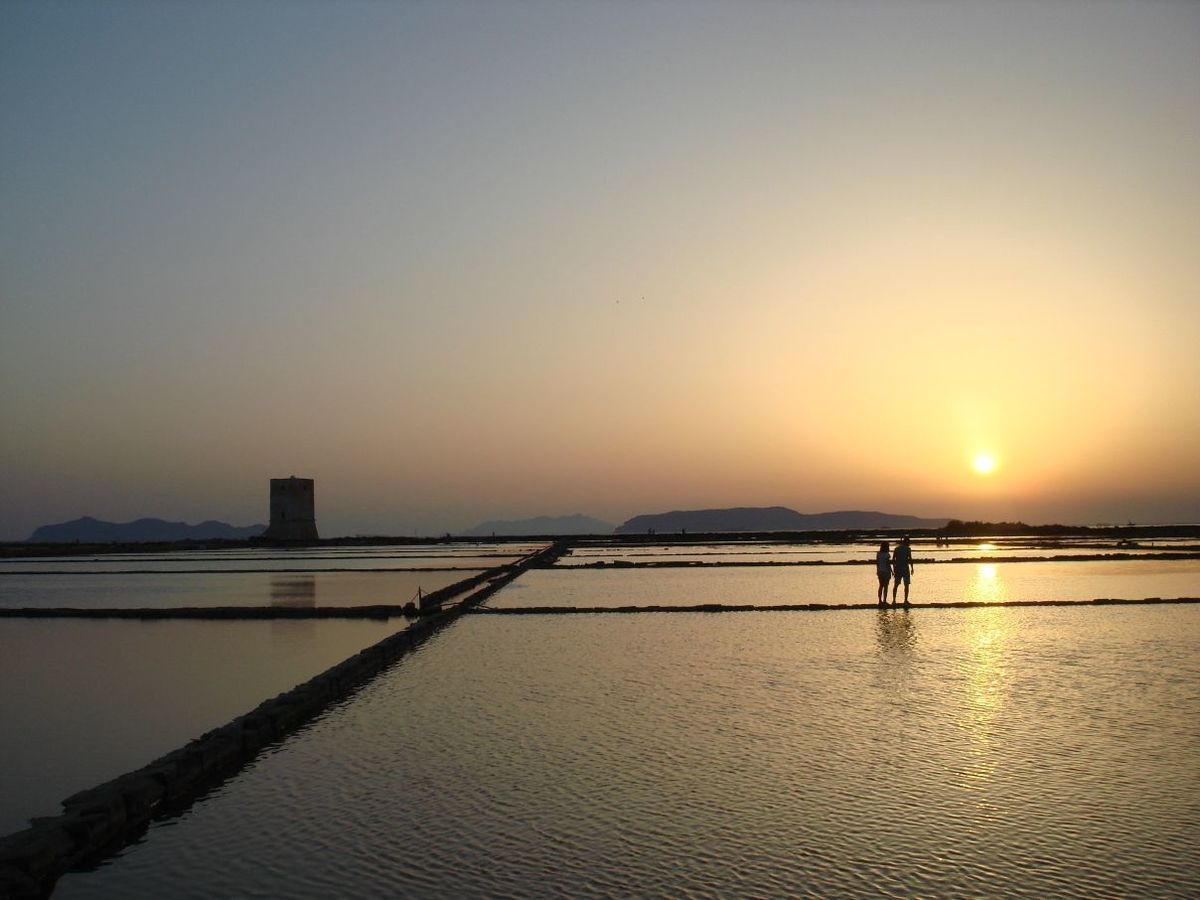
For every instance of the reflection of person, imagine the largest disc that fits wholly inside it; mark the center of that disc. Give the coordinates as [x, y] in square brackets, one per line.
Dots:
[896, 636]
[883, 568]
[902, 567]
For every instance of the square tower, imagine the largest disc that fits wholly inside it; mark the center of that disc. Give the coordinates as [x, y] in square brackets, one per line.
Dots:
[293, 510]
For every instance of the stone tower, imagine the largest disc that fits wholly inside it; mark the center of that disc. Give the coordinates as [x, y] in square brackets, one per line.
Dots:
[293, 510]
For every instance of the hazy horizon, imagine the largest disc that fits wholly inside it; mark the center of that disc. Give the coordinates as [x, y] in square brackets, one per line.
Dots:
[470, 261]
[617, 523]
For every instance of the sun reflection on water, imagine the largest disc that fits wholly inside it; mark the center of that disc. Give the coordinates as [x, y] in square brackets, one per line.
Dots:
[987, 633]
[987, 586]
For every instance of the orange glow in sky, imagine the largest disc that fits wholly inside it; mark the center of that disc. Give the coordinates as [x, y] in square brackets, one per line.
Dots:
[461, 262]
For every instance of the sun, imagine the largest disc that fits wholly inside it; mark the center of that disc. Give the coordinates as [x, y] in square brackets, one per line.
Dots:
[984, 463]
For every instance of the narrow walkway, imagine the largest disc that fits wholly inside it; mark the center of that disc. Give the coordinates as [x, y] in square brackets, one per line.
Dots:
[98, 822]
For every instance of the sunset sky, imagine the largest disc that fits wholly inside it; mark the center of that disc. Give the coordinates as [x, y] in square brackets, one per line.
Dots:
[471, 260]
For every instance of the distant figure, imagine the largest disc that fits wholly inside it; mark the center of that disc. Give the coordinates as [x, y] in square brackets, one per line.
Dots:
[902, 567]
[883, 568]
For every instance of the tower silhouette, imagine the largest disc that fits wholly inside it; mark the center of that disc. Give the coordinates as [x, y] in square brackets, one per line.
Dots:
[293, 510]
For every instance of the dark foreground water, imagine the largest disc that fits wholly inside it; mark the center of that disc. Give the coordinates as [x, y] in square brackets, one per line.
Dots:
[83, 701]
[1022, 751]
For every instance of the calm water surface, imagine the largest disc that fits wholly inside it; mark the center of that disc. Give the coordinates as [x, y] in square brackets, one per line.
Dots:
[183, 565]
[1023, 751]
[978, 582]
[176, 589]
[769, 552]
[482, 556]
[85, 701]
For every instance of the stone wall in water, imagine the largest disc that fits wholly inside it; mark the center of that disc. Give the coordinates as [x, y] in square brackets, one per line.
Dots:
[97, 822]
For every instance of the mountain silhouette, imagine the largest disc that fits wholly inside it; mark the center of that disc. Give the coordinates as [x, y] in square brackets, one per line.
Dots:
[770, 518]
[97, 531]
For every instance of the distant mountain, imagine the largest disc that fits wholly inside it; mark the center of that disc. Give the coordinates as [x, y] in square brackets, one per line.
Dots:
[769, 518]
[94, 531]
[577, 524]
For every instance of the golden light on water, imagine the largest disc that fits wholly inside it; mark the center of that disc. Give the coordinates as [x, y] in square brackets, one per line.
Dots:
[987, 586]
[987, 632]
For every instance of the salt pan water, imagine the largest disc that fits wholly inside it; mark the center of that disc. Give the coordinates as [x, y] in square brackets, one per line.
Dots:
[977, 582]
[83, 701]
[1049, 751]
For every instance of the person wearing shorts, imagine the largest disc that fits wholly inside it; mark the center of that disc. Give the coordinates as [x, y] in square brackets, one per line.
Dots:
[883, 569]
[902, 567]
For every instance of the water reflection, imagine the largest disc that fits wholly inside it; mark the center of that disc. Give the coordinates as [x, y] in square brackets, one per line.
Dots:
[895, 634]
[896, 644]
[751, 755]
[976, 581]
[987, 633]
[987, 585]
[294, 590]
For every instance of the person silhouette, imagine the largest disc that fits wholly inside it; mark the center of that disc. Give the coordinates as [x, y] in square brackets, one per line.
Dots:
[883, 569]
[902, 568]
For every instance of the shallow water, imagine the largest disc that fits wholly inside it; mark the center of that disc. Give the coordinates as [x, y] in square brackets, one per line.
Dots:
[190, 565]
[759, 552]
[85, 701]
[1020, 751]
[399, 558]
[942, 582]
[175, 589]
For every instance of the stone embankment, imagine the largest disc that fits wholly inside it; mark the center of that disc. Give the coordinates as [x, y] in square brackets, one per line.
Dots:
[97, 822]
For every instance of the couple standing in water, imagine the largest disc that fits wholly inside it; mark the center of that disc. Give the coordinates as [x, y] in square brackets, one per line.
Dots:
[899, 565]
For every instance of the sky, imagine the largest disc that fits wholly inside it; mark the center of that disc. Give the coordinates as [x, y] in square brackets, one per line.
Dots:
[460, 261]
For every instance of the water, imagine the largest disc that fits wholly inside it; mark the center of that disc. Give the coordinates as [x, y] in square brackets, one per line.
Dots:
[1023, 751]
[758, 552]
[357, 576]
[82, 702]
[774, 586]
[132, 564]
[207, 589]
[386, 556]
[748, 753]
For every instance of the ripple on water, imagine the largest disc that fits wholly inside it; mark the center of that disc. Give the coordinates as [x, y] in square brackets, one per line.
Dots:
[941, 752]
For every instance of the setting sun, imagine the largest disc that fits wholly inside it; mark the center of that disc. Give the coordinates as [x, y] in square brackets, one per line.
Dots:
[984, 463]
